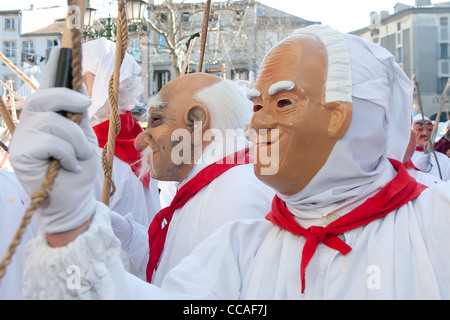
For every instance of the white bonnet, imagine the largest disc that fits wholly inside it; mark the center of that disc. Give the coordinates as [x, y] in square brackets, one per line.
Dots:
[98, 58]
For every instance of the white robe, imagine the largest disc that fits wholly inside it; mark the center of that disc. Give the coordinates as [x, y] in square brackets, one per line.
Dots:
[423, 178]
[404, 255]
[427, 163]
[236, 194]
[13, 202]
[131, 195]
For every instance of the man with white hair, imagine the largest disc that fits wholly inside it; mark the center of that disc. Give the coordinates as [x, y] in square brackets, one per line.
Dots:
[429, 161]
[347, 221]
[195, 136]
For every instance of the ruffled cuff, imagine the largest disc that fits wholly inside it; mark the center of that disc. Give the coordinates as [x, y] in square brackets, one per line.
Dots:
[88, 268]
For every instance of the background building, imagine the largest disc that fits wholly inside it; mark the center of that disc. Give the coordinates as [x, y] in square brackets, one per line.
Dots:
[418, 36]
[28, 53]
[239, 35]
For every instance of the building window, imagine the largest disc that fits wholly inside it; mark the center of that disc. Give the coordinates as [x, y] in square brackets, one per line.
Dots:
[240, 74]
[160, 78]
[444, 51]
[442, 82]
[135, 50]
[9, 48]
[10, 24]
[185, 16]
[399, 54]
[28, 51]
[28, 47]
[162, 43]
[443, 22]
[50, 45]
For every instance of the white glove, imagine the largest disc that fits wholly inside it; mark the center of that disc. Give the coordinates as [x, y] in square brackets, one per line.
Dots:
[43, 134]
[123, 227]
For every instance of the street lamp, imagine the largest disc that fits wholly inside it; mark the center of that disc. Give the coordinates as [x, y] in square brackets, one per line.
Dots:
[89, 16]
[135, 10]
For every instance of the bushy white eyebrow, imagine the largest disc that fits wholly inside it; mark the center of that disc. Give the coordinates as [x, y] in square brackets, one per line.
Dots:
[282, 85]
[156, 102]
[253, 93]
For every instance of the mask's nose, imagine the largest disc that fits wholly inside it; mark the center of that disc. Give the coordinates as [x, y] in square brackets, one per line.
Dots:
[139, 142]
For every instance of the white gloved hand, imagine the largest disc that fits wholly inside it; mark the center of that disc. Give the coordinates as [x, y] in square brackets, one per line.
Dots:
[43, 134]
[123, 227]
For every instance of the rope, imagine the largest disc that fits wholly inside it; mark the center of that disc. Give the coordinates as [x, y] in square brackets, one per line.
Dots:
[41, 195]
[113, 94]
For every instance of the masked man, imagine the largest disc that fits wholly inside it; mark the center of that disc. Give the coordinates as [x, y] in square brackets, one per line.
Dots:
[347, 221]
[434, 163]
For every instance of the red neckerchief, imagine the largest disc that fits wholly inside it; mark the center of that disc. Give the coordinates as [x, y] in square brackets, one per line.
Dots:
[124, 147]
[410, 164]
[419, 149]
[402, 189]
[157, 231]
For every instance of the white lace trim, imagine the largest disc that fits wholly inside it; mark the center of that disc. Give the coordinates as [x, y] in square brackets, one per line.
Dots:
[88, 268]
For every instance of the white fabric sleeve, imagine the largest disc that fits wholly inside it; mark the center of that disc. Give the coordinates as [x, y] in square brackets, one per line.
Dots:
[136, 247]
[88, 268]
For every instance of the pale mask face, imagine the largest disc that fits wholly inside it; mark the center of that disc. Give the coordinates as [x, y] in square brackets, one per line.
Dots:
[171, 112]
[421, 128]
[289, 105]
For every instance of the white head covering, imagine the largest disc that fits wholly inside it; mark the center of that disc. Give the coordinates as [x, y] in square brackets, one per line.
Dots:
[98, 58]
[382, 97]
[419, 117]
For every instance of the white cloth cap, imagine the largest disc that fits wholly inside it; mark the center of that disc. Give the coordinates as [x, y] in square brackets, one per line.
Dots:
[419, 117]
[98, 58]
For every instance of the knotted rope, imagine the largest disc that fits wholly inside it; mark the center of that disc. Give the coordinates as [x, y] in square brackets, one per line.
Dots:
[113, 93]
[39, 196]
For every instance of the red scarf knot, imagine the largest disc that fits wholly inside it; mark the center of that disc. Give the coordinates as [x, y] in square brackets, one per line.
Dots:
[318, 232]
[402, 189]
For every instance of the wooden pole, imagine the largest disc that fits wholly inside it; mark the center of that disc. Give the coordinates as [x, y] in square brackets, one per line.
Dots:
[12, 100]
[188, 55]
[11, 90]
[204, 34]
[6, 116]
[18, 72]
